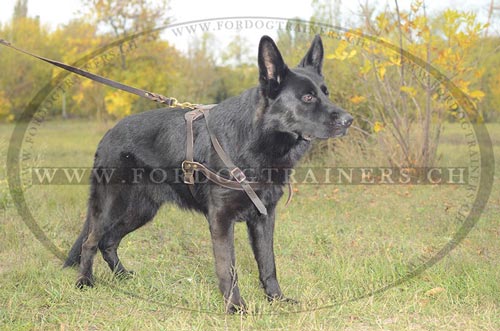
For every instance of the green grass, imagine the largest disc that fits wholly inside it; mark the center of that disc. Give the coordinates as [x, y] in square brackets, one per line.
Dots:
[333, 244]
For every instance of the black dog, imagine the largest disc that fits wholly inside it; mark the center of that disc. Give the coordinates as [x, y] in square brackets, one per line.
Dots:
[269, 126]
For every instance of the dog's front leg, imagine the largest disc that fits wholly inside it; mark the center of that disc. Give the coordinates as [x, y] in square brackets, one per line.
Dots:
[222, 233]
[261, 232]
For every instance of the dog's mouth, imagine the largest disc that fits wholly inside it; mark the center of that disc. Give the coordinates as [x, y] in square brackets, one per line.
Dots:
[307, 137]
[340, 132]
[336, 133]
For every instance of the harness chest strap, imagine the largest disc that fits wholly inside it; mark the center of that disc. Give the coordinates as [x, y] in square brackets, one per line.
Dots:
[189, 167]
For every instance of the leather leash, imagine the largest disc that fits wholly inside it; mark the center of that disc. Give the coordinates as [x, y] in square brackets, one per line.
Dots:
[171, 102]
[189, 166]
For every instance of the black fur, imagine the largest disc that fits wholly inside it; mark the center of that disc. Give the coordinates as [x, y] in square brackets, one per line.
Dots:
[269, 126]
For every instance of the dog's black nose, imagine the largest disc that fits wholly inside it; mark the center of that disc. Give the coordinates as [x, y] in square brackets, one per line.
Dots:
[346, 120]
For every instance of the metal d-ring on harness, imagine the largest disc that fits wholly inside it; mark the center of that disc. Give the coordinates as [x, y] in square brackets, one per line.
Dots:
[189, 166]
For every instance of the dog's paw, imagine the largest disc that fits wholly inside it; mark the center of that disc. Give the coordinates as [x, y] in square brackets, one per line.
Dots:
[124, 274]
[236, 308]
[290, 301]
[83, 282]
[281, 298]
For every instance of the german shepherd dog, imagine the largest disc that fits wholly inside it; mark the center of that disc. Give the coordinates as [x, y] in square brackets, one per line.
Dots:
[270, 126]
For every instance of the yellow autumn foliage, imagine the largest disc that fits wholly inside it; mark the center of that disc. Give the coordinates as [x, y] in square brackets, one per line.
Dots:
[408, 90]
[118, 104]
[378, 126]
[4, 105]
[357, 99]
[342, 52]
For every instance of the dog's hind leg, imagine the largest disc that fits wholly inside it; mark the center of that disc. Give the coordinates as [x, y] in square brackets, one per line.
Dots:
[89, 249]
[131, 221]
[73, 258]
[99, 223]
[109, 246]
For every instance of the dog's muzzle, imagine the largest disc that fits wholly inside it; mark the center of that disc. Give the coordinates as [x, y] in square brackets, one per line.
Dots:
[345, 120]
[342, 124]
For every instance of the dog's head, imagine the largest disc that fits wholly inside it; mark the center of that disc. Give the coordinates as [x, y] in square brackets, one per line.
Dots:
[297, 99]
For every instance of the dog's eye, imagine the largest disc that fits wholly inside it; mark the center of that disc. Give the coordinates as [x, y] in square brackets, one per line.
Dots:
[324, 90]
[308, 98]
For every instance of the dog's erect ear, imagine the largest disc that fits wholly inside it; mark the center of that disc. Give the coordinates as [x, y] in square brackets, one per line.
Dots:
[272, 68]
[314, 56]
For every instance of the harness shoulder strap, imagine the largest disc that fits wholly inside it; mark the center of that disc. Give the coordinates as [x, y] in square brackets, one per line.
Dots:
[189, 166]
[235, 172]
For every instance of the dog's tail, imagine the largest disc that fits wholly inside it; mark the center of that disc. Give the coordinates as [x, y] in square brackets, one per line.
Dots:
[74, 254]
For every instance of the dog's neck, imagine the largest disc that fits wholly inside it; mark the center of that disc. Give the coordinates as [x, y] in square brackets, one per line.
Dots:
[268, 147]
[280, 148]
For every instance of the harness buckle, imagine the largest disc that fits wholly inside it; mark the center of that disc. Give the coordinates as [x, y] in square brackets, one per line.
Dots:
[188, 169]
[238, 175]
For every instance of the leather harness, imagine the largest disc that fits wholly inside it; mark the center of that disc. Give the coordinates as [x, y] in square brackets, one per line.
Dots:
[189, 166]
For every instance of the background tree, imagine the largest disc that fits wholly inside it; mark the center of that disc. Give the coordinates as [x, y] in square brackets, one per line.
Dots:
[116, 20]
[392, 103]
[20, 9]
[21, 77]
[127, 17]
[399, 106]
[486, 57]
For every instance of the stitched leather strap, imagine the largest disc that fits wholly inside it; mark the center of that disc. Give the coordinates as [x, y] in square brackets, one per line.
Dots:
[240, 181]
[235, 172]
[215, 178]
[188, 165]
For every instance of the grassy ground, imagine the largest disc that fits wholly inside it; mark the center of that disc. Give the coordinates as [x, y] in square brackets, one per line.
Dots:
[334, 243]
